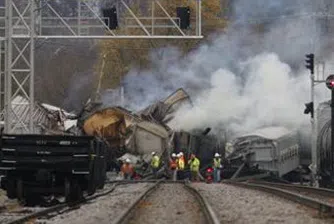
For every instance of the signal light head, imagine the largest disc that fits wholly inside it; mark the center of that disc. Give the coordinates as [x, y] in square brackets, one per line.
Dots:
[330, 82]
[310, 62]
[309, 109]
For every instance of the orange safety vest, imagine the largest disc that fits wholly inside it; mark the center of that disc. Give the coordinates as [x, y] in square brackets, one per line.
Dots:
[173, 164]
[127, 169]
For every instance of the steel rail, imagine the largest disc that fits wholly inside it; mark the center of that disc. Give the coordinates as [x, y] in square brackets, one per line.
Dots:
[61, 206]
[321, 206]
[209, 213]
[320, 191]
[244, 178]
[124, 217]
[143, 181]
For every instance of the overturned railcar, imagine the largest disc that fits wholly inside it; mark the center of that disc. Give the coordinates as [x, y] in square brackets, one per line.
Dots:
[271, 149]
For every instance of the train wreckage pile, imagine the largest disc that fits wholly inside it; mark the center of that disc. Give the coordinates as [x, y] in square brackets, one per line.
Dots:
[274, 150]
[128, 134]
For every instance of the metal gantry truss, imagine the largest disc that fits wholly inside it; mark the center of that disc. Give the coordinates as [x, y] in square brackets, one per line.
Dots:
[23, 22]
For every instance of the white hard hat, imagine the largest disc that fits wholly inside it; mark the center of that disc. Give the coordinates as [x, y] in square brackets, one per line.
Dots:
[173, 155]
[181, 153]
[216, 154]
[127, 160]
[153, 153]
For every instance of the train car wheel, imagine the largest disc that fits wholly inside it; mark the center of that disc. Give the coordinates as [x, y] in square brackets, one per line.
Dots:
[67, 190]
[11, 189]
[76, 191]
[101, 182]
[79, 192]
[73, 191]
[91, 188]
[20, 189]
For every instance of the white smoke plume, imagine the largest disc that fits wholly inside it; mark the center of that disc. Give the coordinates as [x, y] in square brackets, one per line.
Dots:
[241, 79]
[270, 95]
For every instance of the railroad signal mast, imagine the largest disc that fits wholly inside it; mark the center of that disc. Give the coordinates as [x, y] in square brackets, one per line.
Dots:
[309, 109]
[25, 22]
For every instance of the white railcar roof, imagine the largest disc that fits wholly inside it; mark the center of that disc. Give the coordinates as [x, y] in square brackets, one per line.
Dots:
[274, 132]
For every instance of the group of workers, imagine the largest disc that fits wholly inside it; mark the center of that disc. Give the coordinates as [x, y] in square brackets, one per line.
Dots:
[127, 169]
[177, 164]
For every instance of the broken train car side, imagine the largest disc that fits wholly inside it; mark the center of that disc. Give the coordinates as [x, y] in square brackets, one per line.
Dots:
[125, 132]
[136, 133]
[271, 149]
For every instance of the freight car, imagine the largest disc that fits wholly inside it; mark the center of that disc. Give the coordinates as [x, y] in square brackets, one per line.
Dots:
[270, 149]
[51, 165]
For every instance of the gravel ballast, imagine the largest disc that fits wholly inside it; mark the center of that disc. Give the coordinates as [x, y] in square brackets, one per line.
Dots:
[104, 209]
[170, 203]
[239, 205]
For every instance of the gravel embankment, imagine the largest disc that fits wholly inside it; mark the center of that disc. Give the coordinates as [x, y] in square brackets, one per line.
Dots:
[239, 205]
[170, 203]
[104, 209]
[9, 209]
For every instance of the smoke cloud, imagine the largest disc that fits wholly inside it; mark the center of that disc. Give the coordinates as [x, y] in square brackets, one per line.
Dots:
[242, 79]
[270, 95]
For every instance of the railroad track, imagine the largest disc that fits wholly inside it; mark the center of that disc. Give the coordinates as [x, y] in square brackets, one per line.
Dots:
[145, 202]
[317, 198]
[25, 214]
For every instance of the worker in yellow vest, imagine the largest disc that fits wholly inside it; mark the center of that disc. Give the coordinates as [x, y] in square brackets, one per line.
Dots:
[216, 168]
[194, 164]
[180, 165]
[155, 163]
[180, 162]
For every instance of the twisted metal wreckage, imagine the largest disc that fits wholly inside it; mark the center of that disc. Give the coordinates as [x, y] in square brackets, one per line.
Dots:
[136, 135]
[128, 134]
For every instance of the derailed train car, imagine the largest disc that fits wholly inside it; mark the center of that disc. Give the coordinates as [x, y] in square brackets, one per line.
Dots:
[137, 133]
[272, 149]
[125, 132]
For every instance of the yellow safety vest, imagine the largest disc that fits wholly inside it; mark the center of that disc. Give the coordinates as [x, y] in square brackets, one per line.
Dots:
[194, 164]
[181, 163]
[216, 162]
[155, 162]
